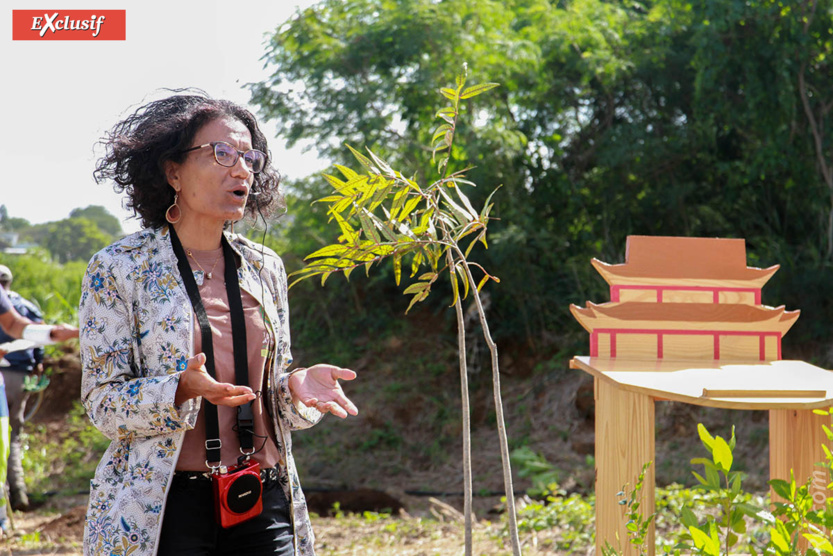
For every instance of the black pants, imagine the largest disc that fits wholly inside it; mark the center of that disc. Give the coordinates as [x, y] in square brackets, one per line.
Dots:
[189, 527]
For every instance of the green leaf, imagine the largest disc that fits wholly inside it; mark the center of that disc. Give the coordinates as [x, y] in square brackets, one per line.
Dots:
[440, 132]
[329, 199]
[368, 228]
[755, 512]
[417, 287]
[699, 478]
[722, 455]
[738, 524]
[425, 219]
[439, 148]
[781, 488]
[464, 277]
[337, 184]
[363, 160]
[397, 267]
[819, 542]
[380, 195]
[458, 211]
[341, 206]
[347, 230]
[687, 517]
[455, 289]
[735, 485]
[780, 538]
[336, 249]
[448, 114]
[472, 244]
[386, 229]
[450, 94]
[416, 262]
[347, 172]
[398, 203]
[704, 542]
[705, 437]
[475, 90]
[409, 207]
[482, 282]
[713, 476]
[466, 203]
[416, 299]
[484, 214]
[383, 166]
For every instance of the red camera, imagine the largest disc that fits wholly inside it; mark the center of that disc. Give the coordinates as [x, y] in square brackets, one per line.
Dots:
[237, 493]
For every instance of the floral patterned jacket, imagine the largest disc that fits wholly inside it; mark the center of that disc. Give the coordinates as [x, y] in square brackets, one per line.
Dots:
[136, 335]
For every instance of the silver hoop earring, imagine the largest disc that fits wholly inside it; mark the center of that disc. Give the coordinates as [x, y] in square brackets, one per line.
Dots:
[174, 213]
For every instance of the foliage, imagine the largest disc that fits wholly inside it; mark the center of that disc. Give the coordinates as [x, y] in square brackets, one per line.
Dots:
[637, 524]
[55, 287]
[802, 516]
[11, 223]
[103, 220]
[65, 461]
[536, 468]
[569, 519]
[793, 518]
[75, 239]
[726, 484]
[381, 213]
[656, 117]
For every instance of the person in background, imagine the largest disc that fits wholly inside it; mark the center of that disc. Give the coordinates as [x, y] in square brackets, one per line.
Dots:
[19, 365]
[14, 325]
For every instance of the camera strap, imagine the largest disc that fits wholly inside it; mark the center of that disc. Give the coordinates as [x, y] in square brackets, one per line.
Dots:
[245, 416]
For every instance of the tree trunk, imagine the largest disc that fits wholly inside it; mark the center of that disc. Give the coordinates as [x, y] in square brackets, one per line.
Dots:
[501, 426]
[464, 394]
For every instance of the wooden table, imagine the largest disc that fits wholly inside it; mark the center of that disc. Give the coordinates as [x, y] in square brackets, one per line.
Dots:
[625, 392]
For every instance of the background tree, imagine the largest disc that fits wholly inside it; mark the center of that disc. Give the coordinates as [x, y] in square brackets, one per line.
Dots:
[11, 223]
[103, 220]
[698, 118]
[74, 239]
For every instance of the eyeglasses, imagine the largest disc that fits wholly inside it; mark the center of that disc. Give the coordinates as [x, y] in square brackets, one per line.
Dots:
[227, 156]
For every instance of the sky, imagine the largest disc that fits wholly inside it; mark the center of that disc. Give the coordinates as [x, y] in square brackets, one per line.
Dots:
[58, 98]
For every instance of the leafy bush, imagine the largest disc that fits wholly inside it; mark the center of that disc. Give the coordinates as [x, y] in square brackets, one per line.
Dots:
[55, 287]
[728, 521]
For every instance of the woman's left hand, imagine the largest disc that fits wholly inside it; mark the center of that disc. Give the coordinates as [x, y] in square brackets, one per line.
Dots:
[318, 387]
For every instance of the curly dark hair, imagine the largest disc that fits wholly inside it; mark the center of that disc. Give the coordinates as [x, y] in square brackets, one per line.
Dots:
[137, 148]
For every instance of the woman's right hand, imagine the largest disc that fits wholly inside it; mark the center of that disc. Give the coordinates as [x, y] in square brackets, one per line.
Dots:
[195, 381]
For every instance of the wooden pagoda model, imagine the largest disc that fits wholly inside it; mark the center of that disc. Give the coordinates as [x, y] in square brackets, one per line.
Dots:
[685, 323]
[685, 298]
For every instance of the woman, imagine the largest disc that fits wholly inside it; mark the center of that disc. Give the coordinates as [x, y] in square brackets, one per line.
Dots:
[162, 311]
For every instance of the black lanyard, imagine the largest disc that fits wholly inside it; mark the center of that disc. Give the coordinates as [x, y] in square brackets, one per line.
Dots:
[245, 417]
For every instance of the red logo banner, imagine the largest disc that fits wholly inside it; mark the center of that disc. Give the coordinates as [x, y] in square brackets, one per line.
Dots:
[69, 25]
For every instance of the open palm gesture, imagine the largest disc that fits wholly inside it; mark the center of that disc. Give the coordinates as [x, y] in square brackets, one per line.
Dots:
[318, 387]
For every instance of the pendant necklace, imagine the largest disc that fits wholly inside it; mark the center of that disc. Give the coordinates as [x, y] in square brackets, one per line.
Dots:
[207, 274]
